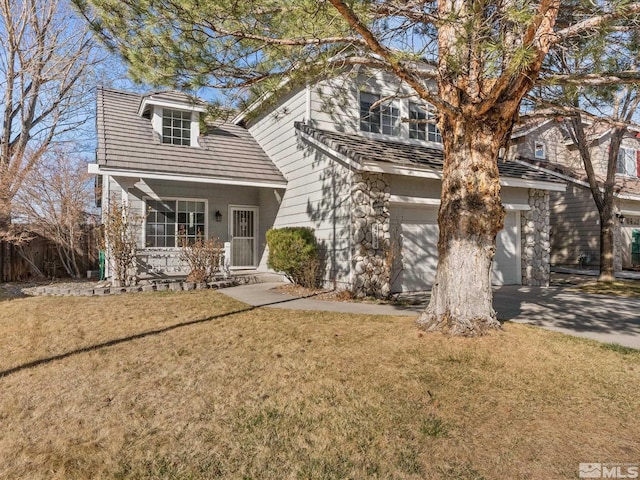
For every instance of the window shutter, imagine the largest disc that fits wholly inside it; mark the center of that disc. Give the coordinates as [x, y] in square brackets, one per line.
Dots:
[637, 162]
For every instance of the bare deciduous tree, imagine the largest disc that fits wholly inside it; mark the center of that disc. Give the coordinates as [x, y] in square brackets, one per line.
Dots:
[121, 227]
[55, 203]
[45, 59]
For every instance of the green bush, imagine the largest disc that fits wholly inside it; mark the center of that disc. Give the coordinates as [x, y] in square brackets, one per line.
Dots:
[294, 251]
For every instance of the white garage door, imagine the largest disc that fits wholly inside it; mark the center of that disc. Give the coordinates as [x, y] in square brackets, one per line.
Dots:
[506, 263]
[416, 231]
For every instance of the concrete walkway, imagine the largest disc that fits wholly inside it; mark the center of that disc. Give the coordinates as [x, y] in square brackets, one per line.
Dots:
[599, 317]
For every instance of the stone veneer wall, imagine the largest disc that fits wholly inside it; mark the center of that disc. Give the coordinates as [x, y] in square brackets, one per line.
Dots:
[536, 248]
[370, 235]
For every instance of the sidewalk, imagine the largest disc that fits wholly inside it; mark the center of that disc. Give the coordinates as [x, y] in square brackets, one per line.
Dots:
[599, 317]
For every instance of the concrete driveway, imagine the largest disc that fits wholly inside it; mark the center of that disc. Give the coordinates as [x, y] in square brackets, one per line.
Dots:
[599, 317]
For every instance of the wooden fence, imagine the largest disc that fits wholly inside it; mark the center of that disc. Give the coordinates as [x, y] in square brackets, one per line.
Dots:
[14, 266]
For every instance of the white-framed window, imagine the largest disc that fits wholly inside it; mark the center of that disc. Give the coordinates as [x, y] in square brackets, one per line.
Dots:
[423, 131]
[383, 118]
[627, 162]
[171, 222]
[540, 150]
[176, 127]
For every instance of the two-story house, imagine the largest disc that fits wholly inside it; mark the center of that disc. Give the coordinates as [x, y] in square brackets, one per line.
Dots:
[329, 156]
[575, 223]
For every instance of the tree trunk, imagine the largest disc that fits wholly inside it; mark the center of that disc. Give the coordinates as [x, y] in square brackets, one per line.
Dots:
[5, 224]
[5, 213]
[469, 219]
[607, 225]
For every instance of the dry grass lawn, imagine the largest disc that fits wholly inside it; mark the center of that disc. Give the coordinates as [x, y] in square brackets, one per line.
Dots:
[620, 288]
[277, 394]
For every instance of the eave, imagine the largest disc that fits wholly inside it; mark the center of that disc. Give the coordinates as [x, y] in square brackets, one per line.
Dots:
[96, 169]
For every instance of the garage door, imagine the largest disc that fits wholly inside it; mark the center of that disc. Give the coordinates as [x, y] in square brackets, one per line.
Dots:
[415, 229]
[506, 269]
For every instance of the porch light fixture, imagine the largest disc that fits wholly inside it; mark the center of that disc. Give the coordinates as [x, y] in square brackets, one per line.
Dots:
[218, 216]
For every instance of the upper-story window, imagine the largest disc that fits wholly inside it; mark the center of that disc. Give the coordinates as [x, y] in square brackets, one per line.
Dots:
[627, 162]
[420, 129]
[383, 118]
[176, 127]
[540, 150]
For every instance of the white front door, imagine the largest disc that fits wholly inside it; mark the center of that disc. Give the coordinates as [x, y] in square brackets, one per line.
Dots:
[243, 225]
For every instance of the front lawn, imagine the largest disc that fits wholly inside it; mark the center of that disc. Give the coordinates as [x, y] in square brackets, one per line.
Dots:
[170, 385]
[620, 288]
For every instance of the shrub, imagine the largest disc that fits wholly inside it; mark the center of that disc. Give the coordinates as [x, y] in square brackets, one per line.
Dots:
[203, 257]
[294, 251]
[121, 228]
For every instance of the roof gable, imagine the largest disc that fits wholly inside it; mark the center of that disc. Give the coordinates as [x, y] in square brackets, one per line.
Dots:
[171, 99]
[126, 141]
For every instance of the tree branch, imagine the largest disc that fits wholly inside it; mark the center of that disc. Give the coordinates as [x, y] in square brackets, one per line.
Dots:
[590, 79]
[289, 42]
[593, 23]
[387, 54]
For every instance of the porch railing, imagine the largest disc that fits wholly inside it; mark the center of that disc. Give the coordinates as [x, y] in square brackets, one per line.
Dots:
[155, 262]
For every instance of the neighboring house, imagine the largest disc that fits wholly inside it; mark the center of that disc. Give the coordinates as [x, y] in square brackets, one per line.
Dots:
[366, 182]
[575, 223]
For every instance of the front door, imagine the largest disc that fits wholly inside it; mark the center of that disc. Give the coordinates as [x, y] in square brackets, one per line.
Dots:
[243, 222]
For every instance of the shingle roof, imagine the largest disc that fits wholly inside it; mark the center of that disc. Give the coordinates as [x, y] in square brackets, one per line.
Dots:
[623, 185]
[360, 149]
[127, 141]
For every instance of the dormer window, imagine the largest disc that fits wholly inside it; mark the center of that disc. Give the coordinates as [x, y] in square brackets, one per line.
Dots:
[540, 151]
[176, 127]
[174, 116]
[382, 118]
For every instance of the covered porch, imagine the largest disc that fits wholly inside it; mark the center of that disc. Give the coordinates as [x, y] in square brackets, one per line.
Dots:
[170, 211]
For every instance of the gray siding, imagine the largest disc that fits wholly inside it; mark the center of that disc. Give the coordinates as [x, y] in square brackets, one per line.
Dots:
[556, 149]
[335, 103]
[566, 154]
[513, 195]
[430, 188]
[575, 228]
[415, 187]
[218, 198]
[318, 189]
[600, 152]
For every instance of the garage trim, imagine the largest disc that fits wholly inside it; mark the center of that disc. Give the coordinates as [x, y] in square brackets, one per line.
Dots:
[435, 202]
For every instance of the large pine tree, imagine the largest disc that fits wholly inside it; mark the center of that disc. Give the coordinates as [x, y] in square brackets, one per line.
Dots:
[488, 54]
